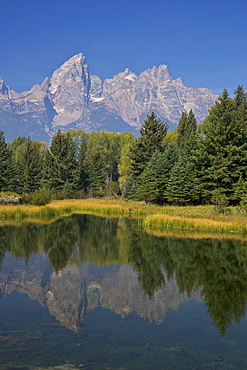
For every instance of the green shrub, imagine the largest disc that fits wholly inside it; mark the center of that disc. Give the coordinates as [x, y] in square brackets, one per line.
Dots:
[220, 200]
[243, 205]
[39, 197]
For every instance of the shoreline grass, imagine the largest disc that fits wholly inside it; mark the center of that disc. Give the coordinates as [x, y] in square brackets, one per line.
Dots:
[166, 218]
[189, 224]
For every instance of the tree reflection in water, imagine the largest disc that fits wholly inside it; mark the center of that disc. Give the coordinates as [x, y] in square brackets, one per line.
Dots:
[217, 267]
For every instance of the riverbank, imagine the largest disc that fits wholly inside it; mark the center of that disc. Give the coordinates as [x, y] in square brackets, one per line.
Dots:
[189, 218]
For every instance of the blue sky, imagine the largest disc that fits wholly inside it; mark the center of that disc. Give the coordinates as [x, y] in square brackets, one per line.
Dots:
[202, 41]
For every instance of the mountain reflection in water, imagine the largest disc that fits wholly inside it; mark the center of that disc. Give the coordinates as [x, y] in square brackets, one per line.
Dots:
[79, 262]
[216, 268]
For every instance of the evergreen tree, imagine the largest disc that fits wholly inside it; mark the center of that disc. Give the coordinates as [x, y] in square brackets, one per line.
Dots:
[182, 187]
[152, 134]
[154, 179]
[29, 165]
[82, 176]
[95, 169]
[181, 129]
[129, 187]
[4, 163]
[148, 181]
[223, 151]
[187, 128]
[240, 96]
[60, 163]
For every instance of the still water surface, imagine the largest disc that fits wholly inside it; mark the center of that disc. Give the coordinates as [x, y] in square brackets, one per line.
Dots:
[89, 292]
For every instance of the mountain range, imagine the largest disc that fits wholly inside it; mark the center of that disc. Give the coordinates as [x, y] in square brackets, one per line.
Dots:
[74, 99]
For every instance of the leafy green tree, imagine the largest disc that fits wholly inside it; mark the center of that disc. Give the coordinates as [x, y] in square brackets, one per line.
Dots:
[108, 145]
[17, 142]
[124, 165]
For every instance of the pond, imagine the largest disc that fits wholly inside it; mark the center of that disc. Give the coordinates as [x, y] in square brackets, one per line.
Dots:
[87, 292]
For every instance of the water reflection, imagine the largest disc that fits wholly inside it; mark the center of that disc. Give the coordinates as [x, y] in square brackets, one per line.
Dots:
[139, 272]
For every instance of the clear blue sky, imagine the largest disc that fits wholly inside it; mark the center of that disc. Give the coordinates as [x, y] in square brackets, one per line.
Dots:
[202, 41]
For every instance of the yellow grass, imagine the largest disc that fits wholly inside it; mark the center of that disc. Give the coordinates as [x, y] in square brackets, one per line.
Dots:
[189, 218]
[229, 225]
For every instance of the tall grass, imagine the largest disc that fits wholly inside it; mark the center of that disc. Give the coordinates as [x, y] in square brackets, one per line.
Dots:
[189, 218]
[169, 222]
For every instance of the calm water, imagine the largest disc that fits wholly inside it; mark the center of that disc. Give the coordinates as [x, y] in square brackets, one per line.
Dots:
[94, 293]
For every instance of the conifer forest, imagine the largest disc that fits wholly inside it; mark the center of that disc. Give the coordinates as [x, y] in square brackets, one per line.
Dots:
[194, 164]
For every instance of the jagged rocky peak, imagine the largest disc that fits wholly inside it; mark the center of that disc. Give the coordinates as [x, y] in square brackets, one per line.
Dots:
[3, 88]
[178, 82]
[74, 99]
[121, 81]
[158, 74]
[70, 85]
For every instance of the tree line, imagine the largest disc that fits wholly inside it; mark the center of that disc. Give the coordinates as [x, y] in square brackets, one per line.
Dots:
[194, 164]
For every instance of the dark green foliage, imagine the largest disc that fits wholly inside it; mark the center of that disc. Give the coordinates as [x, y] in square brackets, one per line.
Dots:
[130, 187]
[181, 129]
[240, 96]
[17, 142]
[154, 179]
[223, 151]
[39, 197]
[152, 134]
[220, 200]
[60, 162]
[96, 174]
[187, 128]
[4, 163]
[29, 165]
[182, 187]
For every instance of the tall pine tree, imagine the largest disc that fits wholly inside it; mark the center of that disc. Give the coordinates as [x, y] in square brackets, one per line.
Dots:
[223, 150]
[4, 163]
[152, 134]
[60, 167]
[29, 161]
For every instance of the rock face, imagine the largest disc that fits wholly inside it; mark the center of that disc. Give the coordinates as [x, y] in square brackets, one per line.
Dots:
[72, 98]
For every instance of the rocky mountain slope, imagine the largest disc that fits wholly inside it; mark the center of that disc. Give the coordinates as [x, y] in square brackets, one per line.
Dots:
[72, 98]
